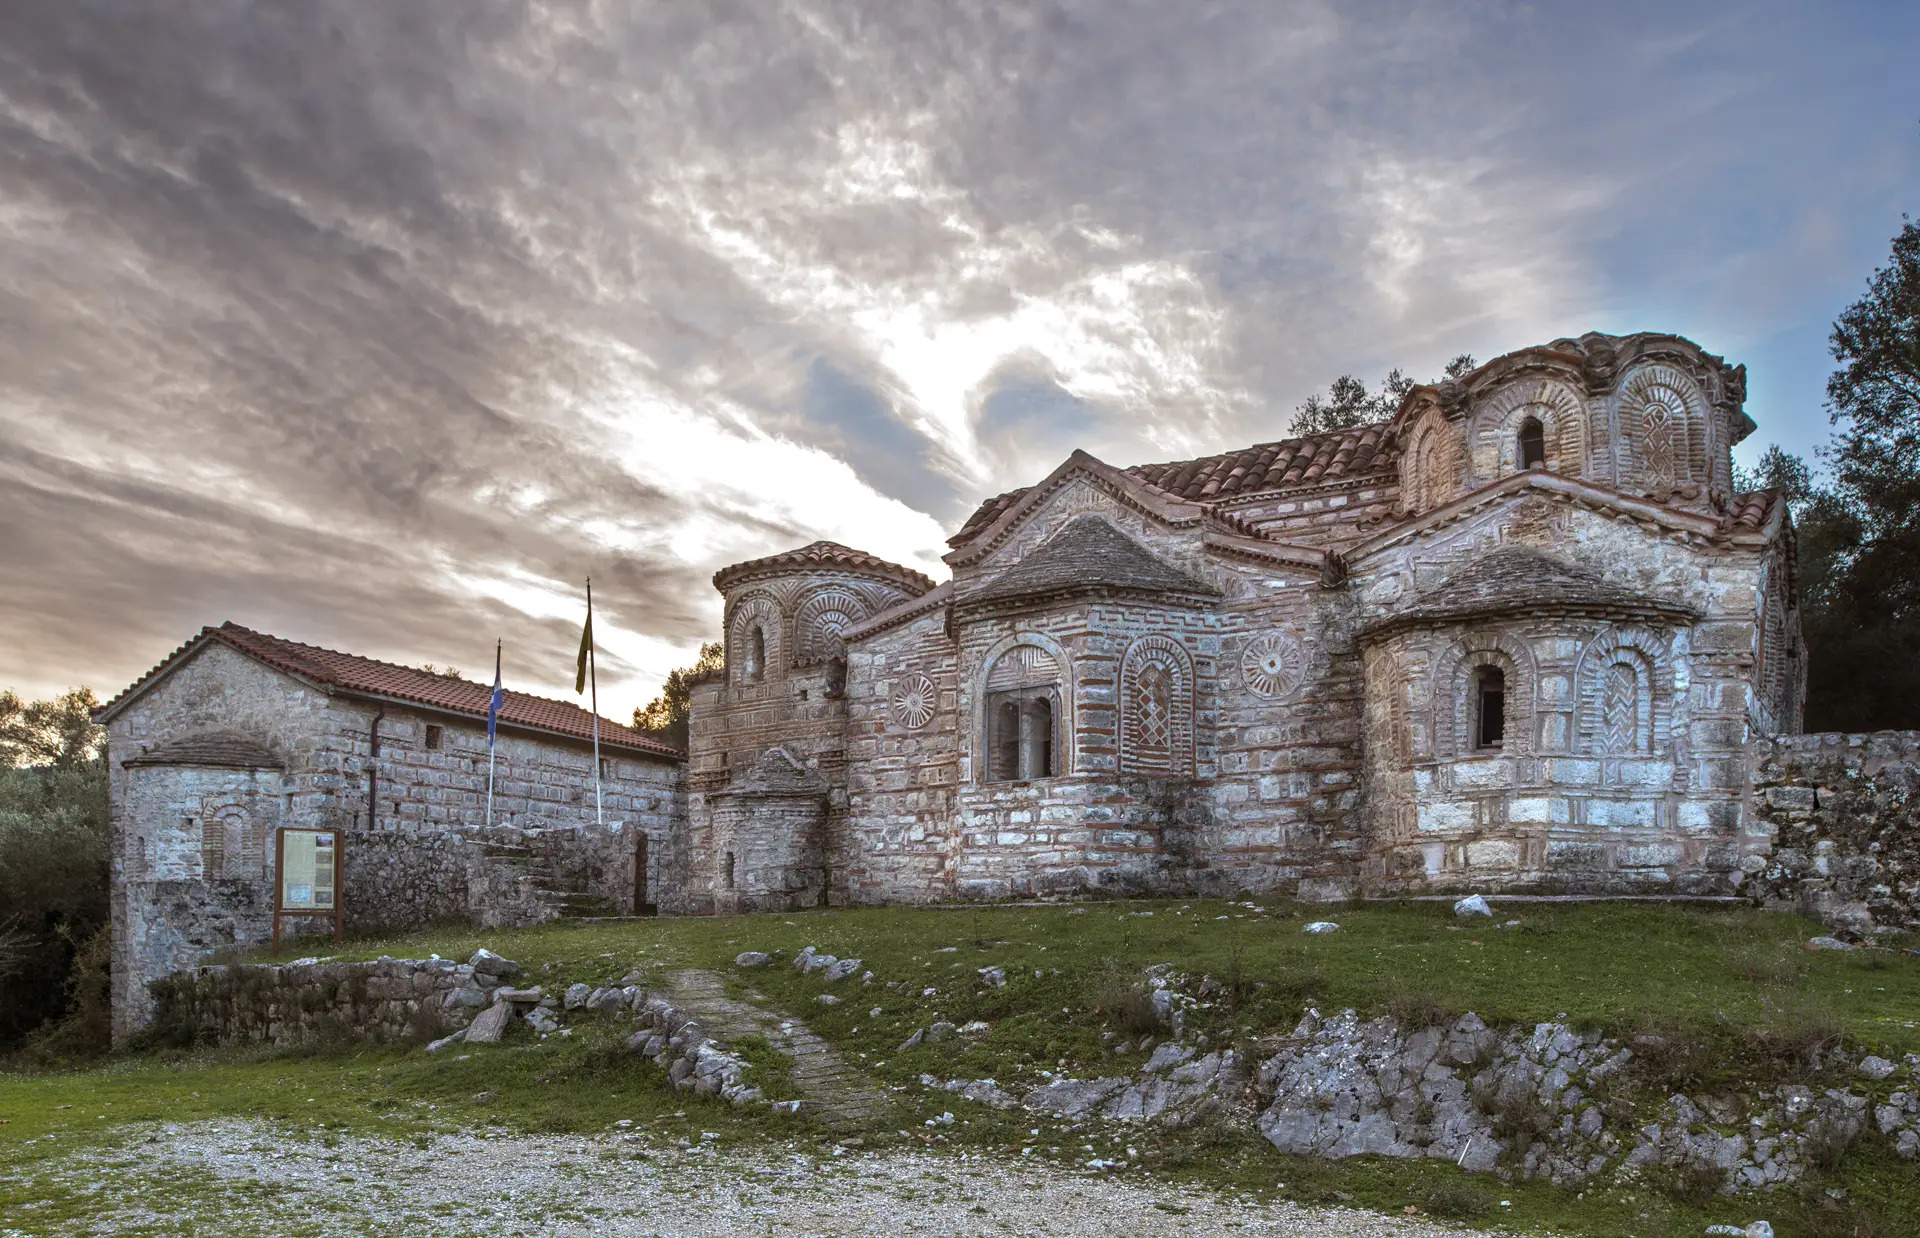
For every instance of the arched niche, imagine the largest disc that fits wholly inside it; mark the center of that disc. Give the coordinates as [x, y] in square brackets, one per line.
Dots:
[1624, 688]
[1156, 708]
[755, 649]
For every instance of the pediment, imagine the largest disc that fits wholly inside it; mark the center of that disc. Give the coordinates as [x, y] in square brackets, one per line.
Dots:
[1082, 484]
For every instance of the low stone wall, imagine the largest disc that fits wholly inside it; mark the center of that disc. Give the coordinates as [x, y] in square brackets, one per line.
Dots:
[1844, 812]
[285, 1004]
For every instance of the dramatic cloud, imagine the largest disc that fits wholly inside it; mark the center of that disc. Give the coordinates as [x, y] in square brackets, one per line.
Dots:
[382, 326]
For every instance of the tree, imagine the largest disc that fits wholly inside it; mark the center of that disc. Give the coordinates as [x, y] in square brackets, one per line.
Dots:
[54, 855]
[1348, 403]
[666, 715]
[56, 732]
[1858, 534]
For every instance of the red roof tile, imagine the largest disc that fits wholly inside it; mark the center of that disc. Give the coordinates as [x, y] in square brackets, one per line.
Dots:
[355, 675]
[986, 514]
[830, 555]
[1750, 511]
[1317, 459]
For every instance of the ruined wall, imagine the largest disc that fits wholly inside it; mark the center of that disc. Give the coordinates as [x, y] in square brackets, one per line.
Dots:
[1843, 813]
[285, 1004]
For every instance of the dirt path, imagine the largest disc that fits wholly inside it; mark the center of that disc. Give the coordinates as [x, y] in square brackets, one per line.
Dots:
[244, 1179]
[839, 1094]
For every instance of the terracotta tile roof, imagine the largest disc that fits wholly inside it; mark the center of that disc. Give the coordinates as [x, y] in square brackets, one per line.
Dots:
[1089, 554]
[219, 749]
[1317, 459]
[1750, 511]
[986, 514]
[830, 555]
[355, 675]
[1516, 580]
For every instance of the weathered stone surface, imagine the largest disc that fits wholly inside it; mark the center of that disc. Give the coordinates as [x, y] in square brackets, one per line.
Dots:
[485, 963]
[751, 958]
[1472, 905]
[841, 969]
[490, 1024]
[577, 996]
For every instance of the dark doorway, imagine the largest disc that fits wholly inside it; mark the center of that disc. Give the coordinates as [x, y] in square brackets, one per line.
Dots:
[641, 907]
[1490, 708]
[1533, 444]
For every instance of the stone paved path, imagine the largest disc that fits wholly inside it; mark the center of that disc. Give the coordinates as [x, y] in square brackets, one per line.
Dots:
[839, 1094]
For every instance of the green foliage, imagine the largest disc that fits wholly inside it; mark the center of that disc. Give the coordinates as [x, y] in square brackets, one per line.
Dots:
[666, 715]
[60, 731]
[1859, 534]
[54, 850]
[1348, 403]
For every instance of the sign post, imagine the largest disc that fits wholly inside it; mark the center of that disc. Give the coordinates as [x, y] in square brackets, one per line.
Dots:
[308, 871]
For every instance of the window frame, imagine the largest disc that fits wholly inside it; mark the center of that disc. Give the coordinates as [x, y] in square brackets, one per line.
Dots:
[1489, 682]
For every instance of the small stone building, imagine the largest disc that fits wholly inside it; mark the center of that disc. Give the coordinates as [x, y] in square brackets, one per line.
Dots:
[1521, 636]
[237, 734]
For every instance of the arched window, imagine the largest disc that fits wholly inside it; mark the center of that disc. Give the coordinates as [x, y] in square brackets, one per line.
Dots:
[756, 654]
[1022, 709]
[1156, 708]
[1533, 444]
[1625, 691]
[1489, 708]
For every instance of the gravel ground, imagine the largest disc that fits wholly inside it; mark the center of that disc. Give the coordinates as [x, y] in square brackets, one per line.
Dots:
[239, 1177]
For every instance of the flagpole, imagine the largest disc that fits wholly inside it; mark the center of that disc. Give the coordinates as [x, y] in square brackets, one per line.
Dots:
[491, 724]
[599, 816]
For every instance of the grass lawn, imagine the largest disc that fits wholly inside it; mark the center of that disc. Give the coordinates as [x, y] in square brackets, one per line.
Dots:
[1734, 982]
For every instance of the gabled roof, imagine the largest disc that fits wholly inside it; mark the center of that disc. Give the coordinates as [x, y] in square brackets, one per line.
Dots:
[352, 675]
[1311, 460]
[825, 555]
[1089, 554]
[1516, 580]
[214, 749]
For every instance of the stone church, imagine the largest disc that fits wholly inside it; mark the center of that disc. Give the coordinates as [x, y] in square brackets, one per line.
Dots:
[1519, 637]
[1523, 636]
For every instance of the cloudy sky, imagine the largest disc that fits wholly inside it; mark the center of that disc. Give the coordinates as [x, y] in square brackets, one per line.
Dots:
[381, 325]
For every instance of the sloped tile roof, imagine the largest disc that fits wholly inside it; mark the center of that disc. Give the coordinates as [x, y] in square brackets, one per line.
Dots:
[219, 749]
[352, 674]
[1516, 580]
[1089, 553]
[986, 514]
[1316, 459]
[1313, 460]
[825, 554]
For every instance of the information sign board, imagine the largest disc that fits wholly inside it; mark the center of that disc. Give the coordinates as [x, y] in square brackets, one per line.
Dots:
[307, 876]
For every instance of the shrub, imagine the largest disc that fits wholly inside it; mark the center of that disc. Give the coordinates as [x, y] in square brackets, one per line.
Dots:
[1458, 1201]
[1126, 1005]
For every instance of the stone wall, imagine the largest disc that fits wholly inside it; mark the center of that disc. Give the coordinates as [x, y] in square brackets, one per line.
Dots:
[1844, 815]
[286, 1004]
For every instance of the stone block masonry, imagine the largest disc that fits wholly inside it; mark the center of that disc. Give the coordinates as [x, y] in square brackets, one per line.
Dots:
[1843, 812]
